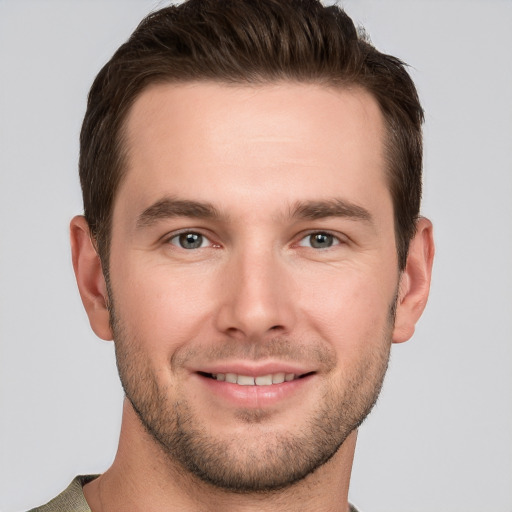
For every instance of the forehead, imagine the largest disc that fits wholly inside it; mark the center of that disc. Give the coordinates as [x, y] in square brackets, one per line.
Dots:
[207, 140]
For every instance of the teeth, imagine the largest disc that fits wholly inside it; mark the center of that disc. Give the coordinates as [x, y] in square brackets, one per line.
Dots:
[242, 380]
[278, 378]
[262, 380]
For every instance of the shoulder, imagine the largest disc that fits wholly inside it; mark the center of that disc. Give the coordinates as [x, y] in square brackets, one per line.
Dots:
[71, 499]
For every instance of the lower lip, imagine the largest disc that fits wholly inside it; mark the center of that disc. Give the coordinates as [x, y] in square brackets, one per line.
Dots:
[255, 397]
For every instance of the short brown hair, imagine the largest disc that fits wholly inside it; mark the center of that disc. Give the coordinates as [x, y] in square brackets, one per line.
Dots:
[248, 41]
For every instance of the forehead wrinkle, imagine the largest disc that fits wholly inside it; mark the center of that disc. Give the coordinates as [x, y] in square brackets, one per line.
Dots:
[169, 207]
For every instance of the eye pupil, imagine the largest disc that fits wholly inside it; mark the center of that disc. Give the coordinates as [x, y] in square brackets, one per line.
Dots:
[190, 240]
[321, 240]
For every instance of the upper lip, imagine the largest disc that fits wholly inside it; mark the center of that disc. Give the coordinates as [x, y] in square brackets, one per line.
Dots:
[254, 369]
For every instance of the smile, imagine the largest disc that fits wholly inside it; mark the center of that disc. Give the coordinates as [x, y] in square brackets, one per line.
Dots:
[255, 388]
[261, 380]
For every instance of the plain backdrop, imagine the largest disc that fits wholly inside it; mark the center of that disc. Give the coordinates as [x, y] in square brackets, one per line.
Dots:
[440, 438]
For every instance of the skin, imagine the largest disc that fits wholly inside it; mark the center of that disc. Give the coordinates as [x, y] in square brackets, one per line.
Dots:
[256, 296]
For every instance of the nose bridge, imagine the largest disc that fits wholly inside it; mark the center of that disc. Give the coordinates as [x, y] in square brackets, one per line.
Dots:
[256, 298]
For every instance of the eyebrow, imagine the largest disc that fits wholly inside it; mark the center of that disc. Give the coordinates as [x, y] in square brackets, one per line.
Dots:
[169, 207]
[313, 210]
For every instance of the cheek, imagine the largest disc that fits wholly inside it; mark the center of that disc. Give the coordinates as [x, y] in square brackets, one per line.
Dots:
[351, 310]
[161, 308]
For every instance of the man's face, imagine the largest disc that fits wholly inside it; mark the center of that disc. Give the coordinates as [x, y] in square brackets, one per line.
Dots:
[253, 275]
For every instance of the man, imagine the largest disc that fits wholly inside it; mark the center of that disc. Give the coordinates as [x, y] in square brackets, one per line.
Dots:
[251, 175]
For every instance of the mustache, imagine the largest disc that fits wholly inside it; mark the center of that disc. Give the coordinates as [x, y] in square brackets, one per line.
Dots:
[284, 349]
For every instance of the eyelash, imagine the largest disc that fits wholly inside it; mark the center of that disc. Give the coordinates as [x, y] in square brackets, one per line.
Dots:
[335, 240]
[176, 236]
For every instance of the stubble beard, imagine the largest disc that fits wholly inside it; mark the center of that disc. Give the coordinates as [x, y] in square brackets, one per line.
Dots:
[264, 461]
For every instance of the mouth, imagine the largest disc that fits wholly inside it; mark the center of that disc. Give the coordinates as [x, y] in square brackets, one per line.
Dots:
[260, 380]
[266, 386]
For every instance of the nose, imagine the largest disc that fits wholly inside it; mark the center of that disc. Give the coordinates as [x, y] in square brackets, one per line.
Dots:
[256, 297]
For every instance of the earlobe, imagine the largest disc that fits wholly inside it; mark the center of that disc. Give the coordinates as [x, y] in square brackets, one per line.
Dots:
[89, 277]
[415, 282]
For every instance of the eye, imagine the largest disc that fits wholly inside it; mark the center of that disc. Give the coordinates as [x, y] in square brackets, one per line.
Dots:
[319, 240]
[190, 240]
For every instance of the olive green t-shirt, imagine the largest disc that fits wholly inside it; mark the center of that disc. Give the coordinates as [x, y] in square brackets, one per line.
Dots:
[73, 500]
[70, 500]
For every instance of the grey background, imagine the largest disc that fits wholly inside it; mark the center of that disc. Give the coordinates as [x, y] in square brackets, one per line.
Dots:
[440, 438]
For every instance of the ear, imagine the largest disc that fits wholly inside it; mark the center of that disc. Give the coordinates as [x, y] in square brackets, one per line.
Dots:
[89, 277]
[414, 282]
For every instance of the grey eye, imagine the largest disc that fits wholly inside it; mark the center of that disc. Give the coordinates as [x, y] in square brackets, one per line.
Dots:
[189, 240]
[319, 240]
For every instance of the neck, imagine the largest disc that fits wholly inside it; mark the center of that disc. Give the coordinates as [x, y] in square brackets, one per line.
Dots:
[143, 478]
